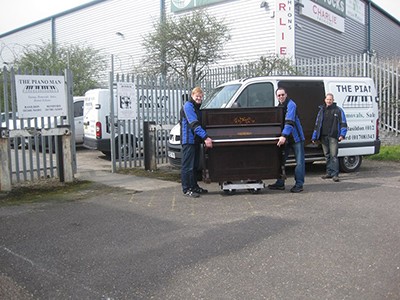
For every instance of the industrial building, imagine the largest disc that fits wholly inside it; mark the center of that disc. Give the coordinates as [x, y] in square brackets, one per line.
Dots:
[288, 28]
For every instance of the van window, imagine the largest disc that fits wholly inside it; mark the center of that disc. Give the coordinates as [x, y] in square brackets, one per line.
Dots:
[220, 96]
[256, 95]
[78, 109]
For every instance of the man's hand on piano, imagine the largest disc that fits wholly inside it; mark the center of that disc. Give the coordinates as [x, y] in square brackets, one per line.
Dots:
[208, 142]
[282, 141]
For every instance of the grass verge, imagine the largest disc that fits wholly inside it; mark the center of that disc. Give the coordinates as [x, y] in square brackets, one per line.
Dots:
[387, 153]
[52, 190]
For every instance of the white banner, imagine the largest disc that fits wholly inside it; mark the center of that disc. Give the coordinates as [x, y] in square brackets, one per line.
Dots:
[41, 96]
[322, 15]
[355, 9]
[284, 24]
[126, 97]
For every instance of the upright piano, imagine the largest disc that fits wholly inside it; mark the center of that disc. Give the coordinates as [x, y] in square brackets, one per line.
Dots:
[244, 144]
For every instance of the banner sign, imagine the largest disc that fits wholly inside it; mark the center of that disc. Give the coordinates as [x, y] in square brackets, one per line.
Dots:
[41, 96]
[355, 9]
[284, 25]
[178, 5]
[126, 97]
[322, 15]
[336, 6]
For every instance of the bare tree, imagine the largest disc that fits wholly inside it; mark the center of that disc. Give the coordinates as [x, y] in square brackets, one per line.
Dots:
[271, 65]
[185, 46]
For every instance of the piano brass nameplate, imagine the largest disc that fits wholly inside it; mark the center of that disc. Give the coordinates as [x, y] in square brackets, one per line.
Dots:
[243, 120]
[244, 133]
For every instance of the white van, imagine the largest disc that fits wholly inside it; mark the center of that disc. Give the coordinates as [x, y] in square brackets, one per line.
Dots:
[96, 120]
[78, 119]
[356, 95]
[146, 105]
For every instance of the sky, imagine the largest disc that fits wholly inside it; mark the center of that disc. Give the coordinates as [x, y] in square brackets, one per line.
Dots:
[17, 13]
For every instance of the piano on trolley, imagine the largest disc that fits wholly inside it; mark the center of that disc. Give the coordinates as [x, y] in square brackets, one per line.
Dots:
[244, 147]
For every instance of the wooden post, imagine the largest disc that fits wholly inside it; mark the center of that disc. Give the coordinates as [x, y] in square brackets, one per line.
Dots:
[67, 159]
[5, 174]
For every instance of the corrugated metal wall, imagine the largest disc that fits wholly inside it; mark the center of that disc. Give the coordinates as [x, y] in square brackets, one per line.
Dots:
[12, 45]
[115, 26]
[385, 35]
[314, 39]
[252, 31]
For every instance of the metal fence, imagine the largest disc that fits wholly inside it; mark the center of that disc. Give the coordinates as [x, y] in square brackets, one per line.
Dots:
[384, 72]
[34, 148]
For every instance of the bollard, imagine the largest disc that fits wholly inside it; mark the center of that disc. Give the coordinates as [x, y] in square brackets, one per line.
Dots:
[65, 166]
[149, 140]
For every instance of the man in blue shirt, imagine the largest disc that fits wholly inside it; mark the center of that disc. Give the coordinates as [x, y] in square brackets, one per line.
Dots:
[292, 137]
[192, 136]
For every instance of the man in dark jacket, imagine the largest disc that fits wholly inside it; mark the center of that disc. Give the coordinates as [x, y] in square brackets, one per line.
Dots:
[330, 129]
[292, 137]
[192, 135]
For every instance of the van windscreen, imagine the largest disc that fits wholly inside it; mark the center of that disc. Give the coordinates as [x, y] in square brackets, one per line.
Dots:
[220, 96]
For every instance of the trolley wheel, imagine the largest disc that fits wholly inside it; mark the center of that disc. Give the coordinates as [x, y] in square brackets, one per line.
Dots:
[230, 192]
[254, 191]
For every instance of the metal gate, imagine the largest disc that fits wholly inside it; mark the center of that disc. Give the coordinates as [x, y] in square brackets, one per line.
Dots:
[37, 147]
[158, 102]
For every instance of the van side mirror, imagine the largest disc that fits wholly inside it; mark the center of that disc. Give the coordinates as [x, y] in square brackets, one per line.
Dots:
[235, 105]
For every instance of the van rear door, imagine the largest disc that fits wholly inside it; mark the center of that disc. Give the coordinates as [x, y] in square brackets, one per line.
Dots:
[357, 97]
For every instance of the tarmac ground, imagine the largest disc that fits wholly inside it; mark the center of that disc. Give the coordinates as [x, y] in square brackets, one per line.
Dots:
[130, 237]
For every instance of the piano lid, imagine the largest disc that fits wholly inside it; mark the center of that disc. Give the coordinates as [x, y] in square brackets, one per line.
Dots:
[247, 124]
[227, 117]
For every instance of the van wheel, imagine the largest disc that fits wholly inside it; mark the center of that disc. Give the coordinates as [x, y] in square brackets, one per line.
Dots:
[350, 164]
[17, 142]
[107, 154]
[125, 150]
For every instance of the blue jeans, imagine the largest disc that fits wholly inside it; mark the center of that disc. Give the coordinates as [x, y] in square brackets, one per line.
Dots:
[189, 166]
[300, 169]
[330, 147]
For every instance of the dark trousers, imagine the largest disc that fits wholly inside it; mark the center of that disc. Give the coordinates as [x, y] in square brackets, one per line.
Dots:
[189, 166]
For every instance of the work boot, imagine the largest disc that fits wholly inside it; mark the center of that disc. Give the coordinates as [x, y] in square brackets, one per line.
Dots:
[335, 179]
[191, 194]
[200, 190]
[296, 189]
[276, 186]
[326, 176]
